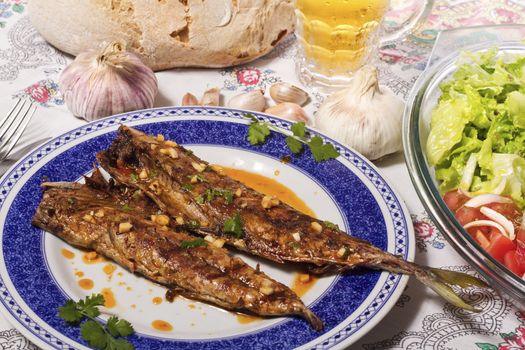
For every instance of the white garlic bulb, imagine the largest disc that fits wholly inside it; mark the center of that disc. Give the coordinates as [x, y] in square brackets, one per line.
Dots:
[113, 81]
[364, 116]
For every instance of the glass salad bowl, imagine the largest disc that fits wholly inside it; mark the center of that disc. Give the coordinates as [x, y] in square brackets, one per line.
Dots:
[416, 128]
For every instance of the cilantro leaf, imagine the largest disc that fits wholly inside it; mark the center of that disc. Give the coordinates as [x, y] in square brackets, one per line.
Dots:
[123, 344]
[198, 242]
[322, 151]
[126, 207]
[69, 312]
[187, 187]
[118, 327]
[299, 130]
[88, 306]
[234, 225]
[199, 199]
[257, 133]
[331, 225]
[198, 177]
[94, 334]
[134, 178]
[294, 145]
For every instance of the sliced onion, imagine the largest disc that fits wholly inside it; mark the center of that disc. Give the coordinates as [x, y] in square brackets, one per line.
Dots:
[500, 219]
[478, 223]
[486, 198]
[501, 186]
[465, 193]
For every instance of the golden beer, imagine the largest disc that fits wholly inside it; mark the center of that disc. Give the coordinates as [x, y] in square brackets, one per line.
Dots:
[337, 36]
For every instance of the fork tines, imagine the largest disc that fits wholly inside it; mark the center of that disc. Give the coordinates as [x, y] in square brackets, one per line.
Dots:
[13, 125]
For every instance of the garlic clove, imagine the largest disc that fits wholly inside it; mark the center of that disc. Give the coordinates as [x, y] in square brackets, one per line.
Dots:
[98, 84]
[365, 116]
[284, 92]
[211, 97]
[289, 111]
[189, 100]
[253, 100]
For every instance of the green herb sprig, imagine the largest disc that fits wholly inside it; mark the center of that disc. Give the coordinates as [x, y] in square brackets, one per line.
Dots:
[198, 242]
[234, 225]
[259, 131]
[99, 336]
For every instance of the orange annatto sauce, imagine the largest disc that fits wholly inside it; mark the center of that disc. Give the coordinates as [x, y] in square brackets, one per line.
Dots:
[269, 187]
[302, 283]
[109, 298]
[156, 300]
[86, 283]
[79, 274]
[109, 269]
[68, 254]
[161, 325]
[245, 319]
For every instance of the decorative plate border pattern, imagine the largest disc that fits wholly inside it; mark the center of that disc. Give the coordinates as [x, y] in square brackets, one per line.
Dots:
[404, 236]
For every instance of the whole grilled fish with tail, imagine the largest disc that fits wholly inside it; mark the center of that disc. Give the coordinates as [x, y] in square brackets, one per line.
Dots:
[217, 206]
[118, 224]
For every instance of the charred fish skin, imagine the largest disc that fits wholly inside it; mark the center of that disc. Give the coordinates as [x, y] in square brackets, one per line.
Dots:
[90, 218]
[204, 200]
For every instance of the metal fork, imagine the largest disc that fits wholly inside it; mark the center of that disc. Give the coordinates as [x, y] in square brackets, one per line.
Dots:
[13, 125]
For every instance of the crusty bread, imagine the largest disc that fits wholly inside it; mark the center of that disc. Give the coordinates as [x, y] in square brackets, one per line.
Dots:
[168, 33]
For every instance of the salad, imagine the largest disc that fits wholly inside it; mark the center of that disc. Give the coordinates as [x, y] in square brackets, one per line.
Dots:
[477, 146]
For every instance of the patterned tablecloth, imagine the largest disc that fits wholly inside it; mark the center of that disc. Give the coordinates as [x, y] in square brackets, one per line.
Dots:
[420, 320]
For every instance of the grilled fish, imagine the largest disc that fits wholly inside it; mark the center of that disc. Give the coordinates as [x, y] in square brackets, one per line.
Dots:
[213, 205]
[118, 225]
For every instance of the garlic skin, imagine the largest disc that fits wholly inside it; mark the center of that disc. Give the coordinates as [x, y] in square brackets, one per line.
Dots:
[364, 116]
[211, 97]
[253, 101]
[284, 92]
[189, 100]
[289, 111]
[99, 84]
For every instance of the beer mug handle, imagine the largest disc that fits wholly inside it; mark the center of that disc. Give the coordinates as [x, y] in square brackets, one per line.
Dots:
[404, 17]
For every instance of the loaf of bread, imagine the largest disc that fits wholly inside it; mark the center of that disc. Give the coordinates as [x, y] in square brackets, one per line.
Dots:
[168, 33]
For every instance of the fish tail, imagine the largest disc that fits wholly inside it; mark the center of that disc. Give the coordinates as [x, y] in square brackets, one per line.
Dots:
[312, 318]
[439, 280]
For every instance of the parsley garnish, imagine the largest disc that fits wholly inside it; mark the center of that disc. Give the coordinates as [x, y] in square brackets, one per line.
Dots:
[212, 193]
[134, 177]
[198, 242]
[294, 245]
[259, 131]
[187, 187]
[199, 177]
[331, 225]
[199, 199]
[96, 334]
[126, 207]
[234, 225]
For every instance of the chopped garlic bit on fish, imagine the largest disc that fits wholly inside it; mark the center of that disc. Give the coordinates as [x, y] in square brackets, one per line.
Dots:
[143, 174]
[316, 227]
[269, 202]
[170, 143]
[160, 137]
[296, 236]
[88, 218]
[200, 167]
[124, 227]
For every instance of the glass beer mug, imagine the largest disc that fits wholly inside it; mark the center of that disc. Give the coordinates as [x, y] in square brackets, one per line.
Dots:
[337, 37]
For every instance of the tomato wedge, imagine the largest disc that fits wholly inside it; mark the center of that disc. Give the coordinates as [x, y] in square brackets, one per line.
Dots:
[455, 200]
[511, 261]
[499, 245]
